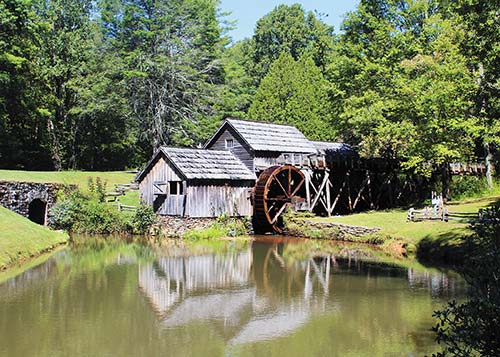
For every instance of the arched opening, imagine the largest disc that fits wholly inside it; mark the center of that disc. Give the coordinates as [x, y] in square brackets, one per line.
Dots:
[37, 211]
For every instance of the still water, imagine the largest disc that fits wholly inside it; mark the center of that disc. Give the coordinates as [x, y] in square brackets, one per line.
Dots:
[250, 298]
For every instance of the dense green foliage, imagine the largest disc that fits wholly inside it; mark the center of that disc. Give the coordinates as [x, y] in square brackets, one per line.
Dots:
[295, 92]
[472, 328]
[87, 212]
[100, 84]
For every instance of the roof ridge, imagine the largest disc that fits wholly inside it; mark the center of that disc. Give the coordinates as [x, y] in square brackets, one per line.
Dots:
[256, 121]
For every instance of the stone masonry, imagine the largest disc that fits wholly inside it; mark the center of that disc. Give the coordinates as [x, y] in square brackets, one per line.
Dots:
[17, 196]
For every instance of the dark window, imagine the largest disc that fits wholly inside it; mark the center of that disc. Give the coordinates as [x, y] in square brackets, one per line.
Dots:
[286, 157]
[176, 188]
[229, 143]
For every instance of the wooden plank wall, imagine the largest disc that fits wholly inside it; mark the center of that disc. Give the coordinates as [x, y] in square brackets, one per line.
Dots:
[240, 148]
[212, 201]
[160, 172]
[263, 160]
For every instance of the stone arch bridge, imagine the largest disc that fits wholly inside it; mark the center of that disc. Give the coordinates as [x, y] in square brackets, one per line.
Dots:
[29, 199]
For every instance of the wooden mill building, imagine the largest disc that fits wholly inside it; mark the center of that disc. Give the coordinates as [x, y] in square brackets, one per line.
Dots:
[196, 183]
[246, 168]
[260, 145]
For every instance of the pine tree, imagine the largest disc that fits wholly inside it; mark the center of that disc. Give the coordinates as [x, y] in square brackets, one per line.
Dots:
[295, 93]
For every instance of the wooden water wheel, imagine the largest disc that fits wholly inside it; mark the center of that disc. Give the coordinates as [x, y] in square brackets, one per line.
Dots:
[277, 188]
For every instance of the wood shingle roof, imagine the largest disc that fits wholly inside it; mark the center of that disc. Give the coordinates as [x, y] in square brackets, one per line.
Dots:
[264, 136]
[198, 164]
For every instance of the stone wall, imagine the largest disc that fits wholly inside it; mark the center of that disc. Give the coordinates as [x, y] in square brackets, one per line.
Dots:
[175, 227]
[17, 196]
[355, 231]
[326, 230]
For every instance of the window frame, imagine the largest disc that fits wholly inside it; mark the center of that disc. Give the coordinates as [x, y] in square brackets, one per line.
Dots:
[175, 188]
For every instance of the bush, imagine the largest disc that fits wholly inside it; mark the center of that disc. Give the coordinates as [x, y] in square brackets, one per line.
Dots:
[83, 213]
[143, 219]
[98, 218]
[233, 226]
[467, 186]
[472, 328]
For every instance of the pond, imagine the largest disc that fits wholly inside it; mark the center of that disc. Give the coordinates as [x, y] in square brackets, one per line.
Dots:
[264, 297]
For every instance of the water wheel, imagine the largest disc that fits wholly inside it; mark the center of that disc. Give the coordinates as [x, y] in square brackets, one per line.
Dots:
[277, 188]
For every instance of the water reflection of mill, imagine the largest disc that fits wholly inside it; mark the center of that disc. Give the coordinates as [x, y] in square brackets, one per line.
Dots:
[253, 295]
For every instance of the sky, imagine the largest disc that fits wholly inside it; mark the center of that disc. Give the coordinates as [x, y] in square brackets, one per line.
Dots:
[247, 12]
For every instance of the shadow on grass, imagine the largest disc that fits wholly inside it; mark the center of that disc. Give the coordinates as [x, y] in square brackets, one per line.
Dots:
[448, 248]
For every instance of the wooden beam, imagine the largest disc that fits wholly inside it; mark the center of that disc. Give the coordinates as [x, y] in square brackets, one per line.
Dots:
[308, 189]
[328, 196]
[318, 192]
[348, 174]
[338, 195]
[363, 186]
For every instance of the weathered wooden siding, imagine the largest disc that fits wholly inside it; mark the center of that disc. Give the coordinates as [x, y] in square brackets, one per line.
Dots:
[240, 148]
[212, 201]
[161, 172]
[263, 160]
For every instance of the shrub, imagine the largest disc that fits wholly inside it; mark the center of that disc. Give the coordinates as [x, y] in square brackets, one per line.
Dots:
[97, 190]
[83, 213]
[472, 328]
[233, 226]
[143, 219]
[467, 186]
[98, 218]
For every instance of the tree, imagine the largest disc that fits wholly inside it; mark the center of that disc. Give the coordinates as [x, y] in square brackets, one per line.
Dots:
[480, 44]
[239, 86]
[409, 89]
[64, 41]
[289, 29]
[472, 328]
[295, 93]
[22, 130]
[171, 51]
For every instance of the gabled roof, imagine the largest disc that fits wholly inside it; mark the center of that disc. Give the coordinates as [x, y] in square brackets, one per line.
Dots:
[263, 136]
[200, 164]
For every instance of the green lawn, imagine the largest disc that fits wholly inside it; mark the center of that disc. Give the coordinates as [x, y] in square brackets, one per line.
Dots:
[393, 222]
[79, 178]
[20, 238]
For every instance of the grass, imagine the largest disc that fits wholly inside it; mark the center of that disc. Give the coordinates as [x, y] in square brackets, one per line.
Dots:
[210, 233]
[21, 239]
[130, 198]
[433, 240]
[79, 178]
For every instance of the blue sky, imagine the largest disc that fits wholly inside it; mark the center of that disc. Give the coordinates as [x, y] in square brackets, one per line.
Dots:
[248, 12]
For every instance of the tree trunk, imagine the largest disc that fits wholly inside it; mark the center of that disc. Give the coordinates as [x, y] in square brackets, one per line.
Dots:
[445, 181]
[488, 160]
[54, 145]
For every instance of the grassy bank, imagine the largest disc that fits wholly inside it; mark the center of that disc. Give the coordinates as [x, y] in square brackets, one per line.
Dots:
[21, 239]
[79, 178]
[433, 239]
